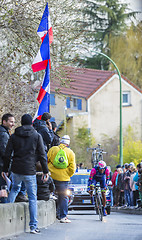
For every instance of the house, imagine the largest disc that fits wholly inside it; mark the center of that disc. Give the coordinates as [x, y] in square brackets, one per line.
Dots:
[92, 99]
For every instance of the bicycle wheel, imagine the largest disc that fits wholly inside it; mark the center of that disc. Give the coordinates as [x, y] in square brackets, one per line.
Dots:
[96, 205]
[99, 207]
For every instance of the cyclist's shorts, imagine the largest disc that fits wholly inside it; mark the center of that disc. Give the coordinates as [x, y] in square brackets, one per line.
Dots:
[101, 180]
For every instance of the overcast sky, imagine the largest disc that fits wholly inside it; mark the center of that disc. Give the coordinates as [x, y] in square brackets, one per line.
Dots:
[135, 5]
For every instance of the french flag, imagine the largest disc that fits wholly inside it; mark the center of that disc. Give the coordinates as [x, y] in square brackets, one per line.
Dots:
[45, 88]
[44, 95]
[43, 107]
[46, 34]
[45, 26]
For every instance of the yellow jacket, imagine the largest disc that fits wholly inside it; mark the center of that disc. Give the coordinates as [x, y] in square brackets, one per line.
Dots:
[61, 174]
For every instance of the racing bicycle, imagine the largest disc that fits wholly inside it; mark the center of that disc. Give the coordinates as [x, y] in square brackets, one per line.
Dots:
[98, 201]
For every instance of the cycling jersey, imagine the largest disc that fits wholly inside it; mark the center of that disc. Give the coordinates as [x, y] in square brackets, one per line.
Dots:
[96, 176]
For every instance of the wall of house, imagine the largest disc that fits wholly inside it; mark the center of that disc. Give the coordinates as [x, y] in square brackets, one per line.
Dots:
[104, 110]
[58, 110]
[79, 121]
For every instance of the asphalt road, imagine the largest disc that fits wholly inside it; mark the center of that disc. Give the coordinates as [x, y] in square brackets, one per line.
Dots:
[86, 226]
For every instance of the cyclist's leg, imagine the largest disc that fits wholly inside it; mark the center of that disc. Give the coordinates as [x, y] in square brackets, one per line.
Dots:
[103, 190]
[92, 186]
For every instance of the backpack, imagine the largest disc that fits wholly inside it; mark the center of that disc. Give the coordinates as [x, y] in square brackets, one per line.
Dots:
[61, 160]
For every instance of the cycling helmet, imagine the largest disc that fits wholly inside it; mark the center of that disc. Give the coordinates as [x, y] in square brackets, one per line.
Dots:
[101, 164]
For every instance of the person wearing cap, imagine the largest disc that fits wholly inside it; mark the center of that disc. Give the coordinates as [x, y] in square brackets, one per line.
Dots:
[25, 144]
[61, 177]
[44, 127]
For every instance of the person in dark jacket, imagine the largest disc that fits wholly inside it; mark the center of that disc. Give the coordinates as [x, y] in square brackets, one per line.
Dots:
[44, 127]
[127, 185]
[56, 139]
[25, 144]
[8, 122]
[43, 188]
[113, 179]
[120, 186]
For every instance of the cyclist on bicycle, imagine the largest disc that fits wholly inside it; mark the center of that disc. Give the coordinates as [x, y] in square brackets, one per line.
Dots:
[99, 173]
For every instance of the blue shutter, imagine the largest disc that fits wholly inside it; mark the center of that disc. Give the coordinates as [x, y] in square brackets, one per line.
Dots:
[52, 99]
[68, 102]
[79, 104]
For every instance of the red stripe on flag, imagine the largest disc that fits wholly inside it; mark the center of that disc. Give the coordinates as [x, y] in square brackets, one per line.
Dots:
[50, 35]
[42, 38]
[50, 32]
[39, 117]
[39, 66]
[41, 95]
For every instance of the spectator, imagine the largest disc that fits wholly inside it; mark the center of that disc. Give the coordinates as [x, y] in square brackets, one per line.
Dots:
[56, 138]
[132, 186]
[139, 166]
[61, 176]
[110, 185]
[140, 186]
[8, 122]
[127, 185]
[120, 187]
[43, 188]
[81, 165]
[114, 184]
[3, 193]
[25, 143]
[44, 127]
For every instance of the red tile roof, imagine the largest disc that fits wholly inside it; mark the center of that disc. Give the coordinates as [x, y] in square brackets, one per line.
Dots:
[83, 81]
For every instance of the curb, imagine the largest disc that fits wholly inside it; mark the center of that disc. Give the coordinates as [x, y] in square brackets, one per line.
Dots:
[127, 210]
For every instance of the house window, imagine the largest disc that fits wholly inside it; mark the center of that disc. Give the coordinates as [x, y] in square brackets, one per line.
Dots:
[126, 101]
[74, 103]
[52, 99]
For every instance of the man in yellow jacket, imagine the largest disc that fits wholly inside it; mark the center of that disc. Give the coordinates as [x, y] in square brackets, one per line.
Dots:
[61, 176]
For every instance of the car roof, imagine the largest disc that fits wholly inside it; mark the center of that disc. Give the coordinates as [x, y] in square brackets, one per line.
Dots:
[82, 172]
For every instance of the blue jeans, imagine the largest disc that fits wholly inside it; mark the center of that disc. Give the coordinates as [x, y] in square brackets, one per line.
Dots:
[31, 186]
[23, 189]
[62, 204]
[127, 197]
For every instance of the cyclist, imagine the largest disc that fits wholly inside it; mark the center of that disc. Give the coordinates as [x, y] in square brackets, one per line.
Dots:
[99, 173]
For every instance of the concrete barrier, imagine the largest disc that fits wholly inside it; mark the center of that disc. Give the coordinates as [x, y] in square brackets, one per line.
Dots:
[14, 217]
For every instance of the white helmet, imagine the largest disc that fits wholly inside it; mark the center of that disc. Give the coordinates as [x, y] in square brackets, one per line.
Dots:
[101, 164]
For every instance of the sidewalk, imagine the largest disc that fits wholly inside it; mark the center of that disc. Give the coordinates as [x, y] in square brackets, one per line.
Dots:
[127, 210]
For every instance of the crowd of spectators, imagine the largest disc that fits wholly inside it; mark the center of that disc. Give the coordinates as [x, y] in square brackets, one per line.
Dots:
[23, 159]
[26, 155]
[127, 186]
